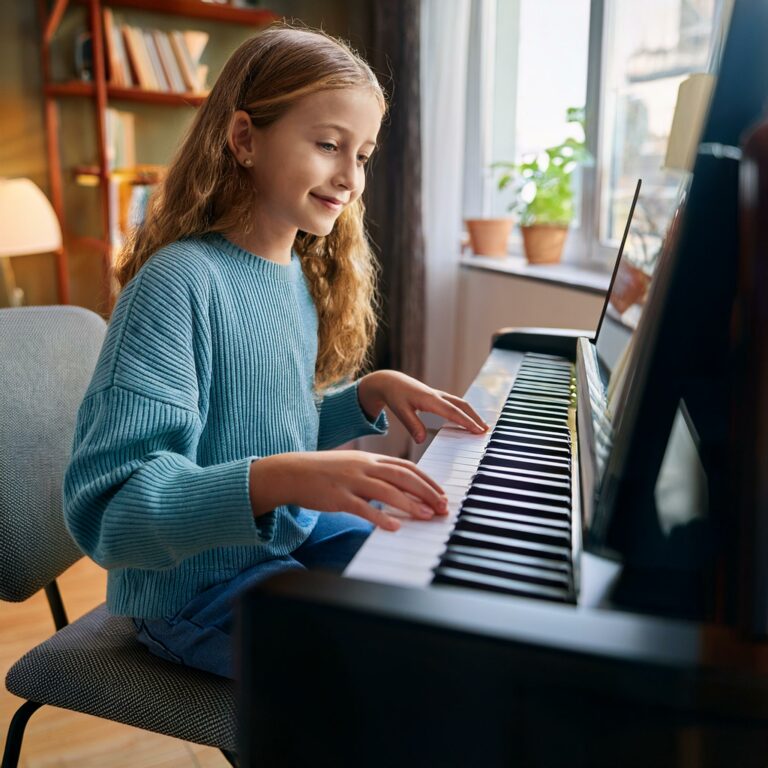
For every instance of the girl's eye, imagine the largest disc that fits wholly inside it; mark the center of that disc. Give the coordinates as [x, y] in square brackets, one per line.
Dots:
[327, 146]
[363, 159]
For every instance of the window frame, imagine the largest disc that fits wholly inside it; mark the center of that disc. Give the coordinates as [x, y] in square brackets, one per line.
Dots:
[584, 247]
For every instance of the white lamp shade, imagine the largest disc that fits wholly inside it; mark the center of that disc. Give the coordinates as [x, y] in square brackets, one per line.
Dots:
[693, 97]
[28, 223]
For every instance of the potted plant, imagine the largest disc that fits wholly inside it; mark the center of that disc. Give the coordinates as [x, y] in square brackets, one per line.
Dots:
[489, 237]
[544, 193]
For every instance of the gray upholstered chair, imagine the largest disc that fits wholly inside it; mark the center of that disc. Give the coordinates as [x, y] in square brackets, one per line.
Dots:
[94, 665]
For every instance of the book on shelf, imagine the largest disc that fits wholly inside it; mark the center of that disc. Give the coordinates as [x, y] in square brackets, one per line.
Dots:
[139, 57]
[168, 60]
[196, 41]
[154, 60]
[120, 139]
[183, 57]
[120, 68]
[128, 194]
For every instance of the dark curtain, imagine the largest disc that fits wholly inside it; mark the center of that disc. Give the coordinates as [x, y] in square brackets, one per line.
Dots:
[394, 191]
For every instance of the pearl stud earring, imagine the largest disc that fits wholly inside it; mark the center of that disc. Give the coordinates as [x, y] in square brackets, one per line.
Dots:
[247, 162]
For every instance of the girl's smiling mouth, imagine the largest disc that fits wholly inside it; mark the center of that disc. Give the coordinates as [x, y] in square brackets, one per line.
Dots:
[331, 203]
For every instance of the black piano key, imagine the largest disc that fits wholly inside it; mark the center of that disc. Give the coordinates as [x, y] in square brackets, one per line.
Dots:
[534, 417]
[508, 570]
[458, 578]
[508, 453]
[537, 475]
[506, 545]
[563, 380]
[538, 425]
[555, 397]
[517, 488]
[523, 482]
[546, 362]
[540, 563]
[538, 374]
[542, 389]
[514, 531]
[514, 447]
[555, 411]
[535, 402]
[542, 381]
[563, 436]
[520, 435]
[519, 494]
[551, 370]
[521, 463]
[556, 522]
[510, 448]
[472, 505]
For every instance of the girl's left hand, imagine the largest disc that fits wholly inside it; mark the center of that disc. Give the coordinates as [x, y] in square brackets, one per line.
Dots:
[404, 396]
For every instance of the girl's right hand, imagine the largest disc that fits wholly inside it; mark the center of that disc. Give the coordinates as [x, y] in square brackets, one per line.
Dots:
[345, 481]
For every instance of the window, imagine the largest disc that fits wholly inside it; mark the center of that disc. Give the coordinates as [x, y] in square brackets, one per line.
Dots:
[623, 60]
[650, 48]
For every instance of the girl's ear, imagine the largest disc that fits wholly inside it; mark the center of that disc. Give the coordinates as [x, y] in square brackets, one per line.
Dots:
[240, 138]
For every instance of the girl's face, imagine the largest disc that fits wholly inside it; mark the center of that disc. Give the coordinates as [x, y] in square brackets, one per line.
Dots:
[310, 164]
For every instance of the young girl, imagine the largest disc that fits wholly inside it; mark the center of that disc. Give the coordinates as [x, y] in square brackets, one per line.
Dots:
[199, 464]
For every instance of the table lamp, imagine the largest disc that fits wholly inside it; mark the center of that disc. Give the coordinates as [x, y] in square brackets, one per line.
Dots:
[693, 99]
[28, 224]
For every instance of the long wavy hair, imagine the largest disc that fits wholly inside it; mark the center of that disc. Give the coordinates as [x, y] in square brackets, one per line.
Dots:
[206, 190]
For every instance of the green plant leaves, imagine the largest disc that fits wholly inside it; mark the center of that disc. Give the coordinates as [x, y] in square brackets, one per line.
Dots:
[542, 182]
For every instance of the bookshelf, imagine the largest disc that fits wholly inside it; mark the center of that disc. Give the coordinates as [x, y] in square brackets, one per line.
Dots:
[101, 90]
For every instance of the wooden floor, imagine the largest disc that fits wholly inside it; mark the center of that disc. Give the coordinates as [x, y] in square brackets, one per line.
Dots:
[57, 738]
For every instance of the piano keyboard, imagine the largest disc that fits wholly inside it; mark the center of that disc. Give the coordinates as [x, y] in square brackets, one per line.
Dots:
[509, 523]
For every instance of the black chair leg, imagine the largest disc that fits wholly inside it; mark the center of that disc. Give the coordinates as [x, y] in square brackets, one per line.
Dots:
[231, 757]
[16, 733]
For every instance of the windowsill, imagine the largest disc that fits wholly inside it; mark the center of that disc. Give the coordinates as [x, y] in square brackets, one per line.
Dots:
[590, 276]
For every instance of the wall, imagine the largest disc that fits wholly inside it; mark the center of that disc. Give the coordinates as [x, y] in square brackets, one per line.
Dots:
[22, 141]
[491, 300]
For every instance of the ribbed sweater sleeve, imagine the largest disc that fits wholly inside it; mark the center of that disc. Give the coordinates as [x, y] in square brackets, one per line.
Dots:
[134, 493]
[342, 419]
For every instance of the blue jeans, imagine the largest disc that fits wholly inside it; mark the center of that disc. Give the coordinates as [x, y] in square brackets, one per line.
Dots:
[200, 634]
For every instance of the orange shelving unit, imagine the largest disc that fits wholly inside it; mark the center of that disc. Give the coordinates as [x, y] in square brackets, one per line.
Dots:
[101, 92]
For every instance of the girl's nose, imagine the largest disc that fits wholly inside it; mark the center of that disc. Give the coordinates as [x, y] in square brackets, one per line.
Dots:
[346, 175]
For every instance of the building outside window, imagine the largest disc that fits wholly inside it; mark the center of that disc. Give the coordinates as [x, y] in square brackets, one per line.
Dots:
[623, 61]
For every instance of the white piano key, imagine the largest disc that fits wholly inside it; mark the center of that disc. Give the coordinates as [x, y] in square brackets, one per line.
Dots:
[445, 469]
[463, 453]
[386, 573]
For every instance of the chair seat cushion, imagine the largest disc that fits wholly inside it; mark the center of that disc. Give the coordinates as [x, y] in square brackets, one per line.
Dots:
[97, 666]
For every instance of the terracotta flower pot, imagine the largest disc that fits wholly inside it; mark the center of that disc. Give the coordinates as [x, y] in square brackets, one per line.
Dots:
[488, 237]
[629, 288]
[543, 243]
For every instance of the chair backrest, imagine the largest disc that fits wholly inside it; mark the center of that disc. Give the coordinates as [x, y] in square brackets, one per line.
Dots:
[47, 357]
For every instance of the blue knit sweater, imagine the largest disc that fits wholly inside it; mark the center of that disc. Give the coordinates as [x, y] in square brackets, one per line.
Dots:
[208, 364]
